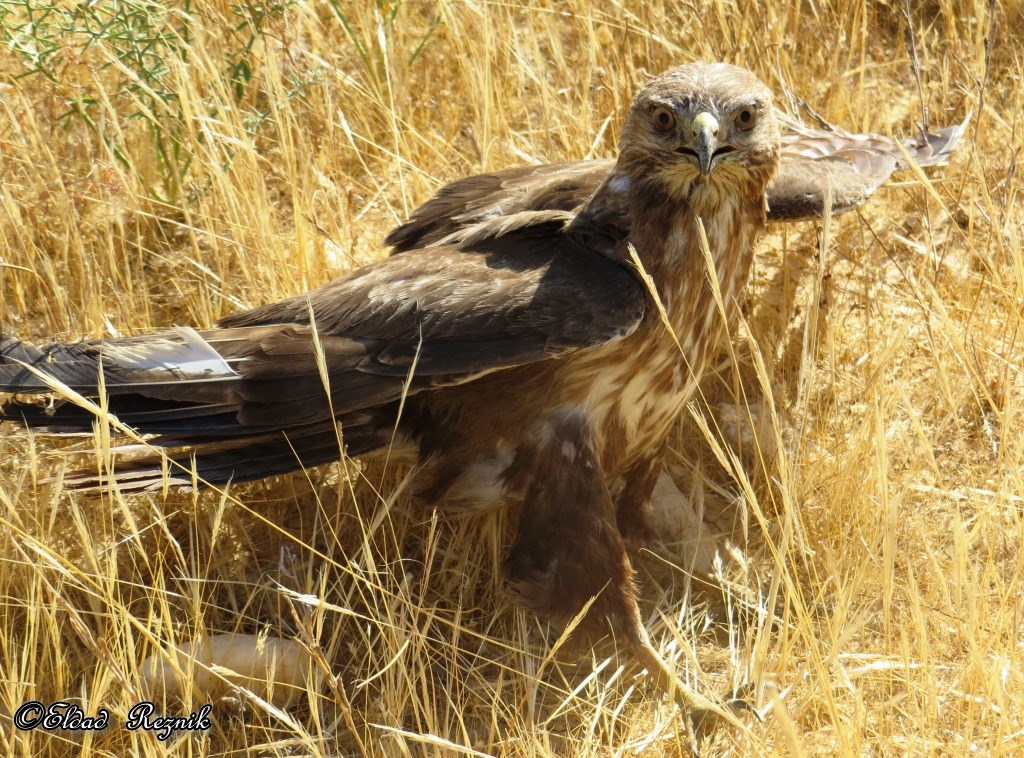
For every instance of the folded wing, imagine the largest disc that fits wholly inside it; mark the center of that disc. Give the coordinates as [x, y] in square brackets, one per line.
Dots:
[432, 318]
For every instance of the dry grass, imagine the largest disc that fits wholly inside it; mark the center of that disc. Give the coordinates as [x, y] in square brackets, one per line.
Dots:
[865, 437]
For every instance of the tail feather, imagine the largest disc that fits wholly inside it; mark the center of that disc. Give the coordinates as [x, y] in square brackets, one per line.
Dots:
[236, 460]
[152, 417]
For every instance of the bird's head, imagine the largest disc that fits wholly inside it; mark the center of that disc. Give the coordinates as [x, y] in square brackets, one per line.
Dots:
[702, 125]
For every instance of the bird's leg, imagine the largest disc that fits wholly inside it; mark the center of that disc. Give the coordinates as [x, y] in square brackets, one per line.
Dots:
[700, 713]
[568, 551]
[633, 513]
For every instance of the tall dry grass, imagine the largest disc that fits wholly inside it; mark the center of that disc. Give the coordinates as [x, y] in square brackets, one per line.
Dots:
[863, 441]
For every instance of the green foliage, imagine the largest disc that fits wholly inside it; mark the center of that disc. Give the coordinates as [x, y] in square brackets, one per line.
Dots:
[132, 42]
[253, 21]
[372, 48]
[134, 37]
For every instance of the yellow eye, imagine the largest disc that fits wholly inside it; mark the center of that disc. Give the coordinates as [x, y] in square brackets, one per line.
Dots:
[664, 119]
[746, 119]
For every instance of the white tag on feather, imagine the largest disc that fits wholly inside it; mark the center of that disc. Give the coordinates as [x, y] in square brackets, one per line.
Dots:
[192, 358]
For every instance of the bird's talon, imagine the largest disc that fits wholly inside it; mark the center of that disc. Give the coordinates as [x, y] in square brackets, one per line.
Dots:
[701, 722]
[739, 705]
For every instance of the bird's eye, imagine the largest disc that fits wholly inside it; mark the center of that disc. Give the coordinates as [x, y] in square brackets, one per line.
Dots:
[746, 119]
[664, 119]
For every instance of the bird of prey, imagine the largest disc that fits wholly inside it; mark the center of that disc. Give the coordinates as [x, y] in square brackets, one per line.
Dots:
[813, 163]
[535, 353]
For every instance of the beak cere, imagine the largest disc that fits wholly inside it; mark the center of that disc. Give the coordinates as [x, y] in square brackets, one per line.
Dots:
[705, 140]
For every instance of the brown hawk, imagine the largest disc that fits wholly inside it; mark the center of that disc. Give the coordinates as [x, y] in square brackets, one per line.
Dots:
[813, 162]
[518, 354]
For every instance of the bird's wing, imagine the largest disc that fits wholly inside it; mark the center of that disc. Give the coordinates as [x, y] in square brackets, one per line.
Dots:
[852, 165]
[855, 165]
[433, 317]
[475, 199]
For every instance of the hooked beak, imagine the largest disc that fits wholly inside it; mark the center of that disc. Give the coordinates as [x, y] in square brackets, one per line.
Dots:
[704, 146]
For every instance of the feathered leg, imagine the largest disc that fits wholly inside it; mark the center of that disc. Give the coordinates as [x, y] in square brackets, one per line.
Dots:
[568, 551]
[633, 513]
